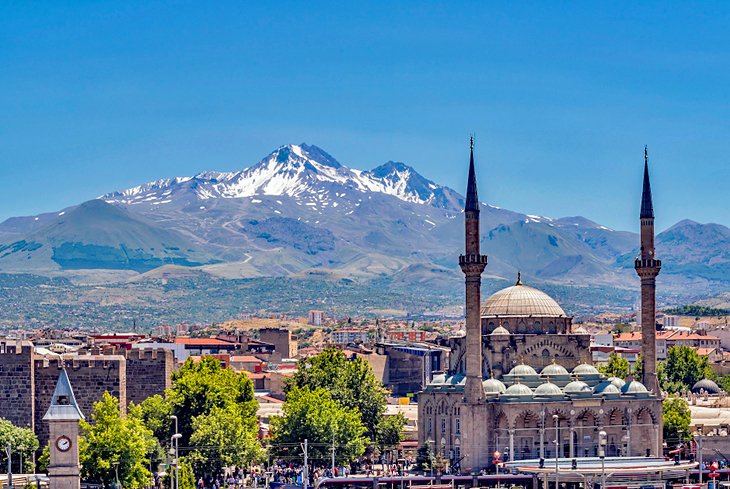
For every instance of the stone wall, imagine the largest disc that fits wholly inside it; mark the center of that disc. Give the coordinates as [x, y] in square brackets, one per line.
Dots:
[148, 373]
[90, 376]
[16, 383]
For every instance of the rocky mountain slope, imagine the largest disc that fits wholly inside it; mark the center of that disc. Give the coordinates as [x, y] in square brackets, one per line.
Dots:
[300, 212]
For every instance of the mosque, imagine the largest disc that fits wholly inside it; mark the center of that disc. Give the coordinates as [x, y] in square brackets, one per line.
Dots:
[520, 380]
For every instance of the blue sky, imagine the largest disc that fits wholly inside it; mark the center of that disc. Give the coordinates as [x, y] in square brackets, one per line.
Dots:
[562, 96]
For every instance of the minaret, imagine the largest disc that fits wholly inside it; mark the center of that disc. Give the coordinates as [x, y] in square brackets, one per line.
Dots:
[647, 267]
[63, 418]
[472, 263]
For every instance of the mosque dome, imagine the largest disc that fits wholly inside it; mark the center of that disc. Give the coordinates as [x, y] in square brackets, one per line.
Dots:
[577, 387]
[522, 371]
[619, 383]
[500, 330]
[521, 300]
[607, 389]
[584, 370]
[580, 330]
[493, 386]
[707, 385]
[439, 379]
[548, 389]
[518, 390]
[634, 387]
[554, 370]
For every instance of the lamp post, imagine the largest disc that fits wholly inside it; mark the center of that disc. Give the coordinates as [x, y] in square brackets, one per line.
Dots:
[176, 437]
[116, 472]
[174, 440]
[556, 419]
[602, 455]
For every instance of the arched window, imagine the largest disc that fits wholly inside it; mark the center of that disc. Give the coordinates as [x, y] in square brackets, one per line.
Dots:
[545, 353]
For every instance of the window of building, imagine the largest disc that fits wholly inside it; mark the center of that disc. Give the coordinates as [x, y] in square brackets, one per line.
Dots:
[443, 425]
[457, 426]
[429, 424]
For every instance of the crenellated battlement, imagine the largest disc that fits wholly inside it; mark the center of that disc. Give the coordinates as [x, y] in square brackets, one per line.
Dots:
[16, 348]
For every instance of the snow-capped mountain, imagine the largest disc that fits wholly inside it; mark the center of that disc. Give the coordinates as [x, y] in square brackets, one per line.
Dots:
[297, 171]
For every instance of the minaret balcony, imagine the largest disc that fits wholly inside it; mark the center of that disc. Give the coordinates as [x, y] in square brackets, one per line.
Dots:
[647, 266]
[472, 258]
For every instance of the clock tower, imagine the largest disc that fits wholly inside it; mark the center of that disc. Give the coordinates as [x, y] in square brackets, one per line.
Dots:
[63, 416]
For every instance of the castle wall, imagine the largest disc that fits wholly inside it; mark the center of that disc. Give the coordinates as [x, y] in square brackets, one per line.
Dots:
[16, 383]
[148, 373]
[90, 376]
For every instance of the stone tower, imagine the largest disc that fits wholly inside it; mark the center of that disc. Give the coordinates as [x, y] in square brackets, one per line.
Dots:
[647, 267]
[63, 416]
[472, 263]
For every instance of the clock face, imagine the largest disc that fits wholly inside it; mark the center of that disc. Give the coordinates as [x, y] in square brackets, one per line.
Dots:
[63, 443]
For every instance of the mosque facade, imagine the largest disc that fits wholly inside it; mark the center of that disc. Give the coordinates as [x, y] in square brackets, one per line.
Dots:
[520, 384]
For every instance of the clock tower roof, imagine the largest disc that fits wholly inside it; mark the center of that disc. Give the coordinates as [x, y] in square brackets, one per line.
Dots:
[63, 402]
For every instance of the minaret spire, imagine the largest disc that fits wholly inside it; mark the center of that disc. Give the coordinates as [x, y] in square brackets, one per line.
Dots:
[472, 263]
[648, 267]
[472, 197]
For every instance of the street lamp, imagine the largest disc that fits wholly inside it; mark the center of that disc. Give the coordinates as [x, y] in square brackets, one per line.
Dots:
[174, 440]
[556, 420]
[116, 472]
[602, 455]
[176, 437]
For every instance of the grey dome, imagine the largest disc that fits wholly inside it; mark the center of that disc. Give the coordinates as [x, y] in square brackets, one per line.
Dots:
[522, 370]
[548, 389]
[707, 385]
[585, 369]
[520, 300]
[580, 330]
[554, 370]
[493, 386]
[500, 330]
[606, 387]
[518, 390]
[634, 387]
[577, 387]
[439, 379]
[617, 382]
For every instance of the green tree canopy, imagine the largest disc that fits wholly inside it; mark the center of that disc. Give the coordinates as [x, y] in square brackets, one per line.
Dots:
[313, 414]
[224, 437]
[155, 412]
[390, 431]
[198, 387]
[111, 437]
[351, 383]
[425, 458]
[617, 366]
[23, 443]
[683, 368]
[676, 417]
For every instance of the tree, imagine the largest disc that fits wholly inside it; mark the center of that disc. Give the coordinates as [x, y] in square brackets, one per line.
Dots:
[425, 457]
[314, 415]
[390, 431]
[638, 371]
[155, 412]
[351, 383]
[198, 387]
[225, 438]
[617, 366]
[683, 368]
[676, 416]
[110, 438]
[23, 442]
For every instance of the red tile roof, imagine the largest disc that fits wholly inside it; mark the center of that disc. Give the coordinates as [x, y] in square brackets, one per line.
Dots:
[202, 342]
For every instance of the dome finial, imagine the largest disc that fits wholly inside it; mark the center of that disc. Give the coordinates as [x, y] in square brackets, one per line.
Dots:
[519, 278]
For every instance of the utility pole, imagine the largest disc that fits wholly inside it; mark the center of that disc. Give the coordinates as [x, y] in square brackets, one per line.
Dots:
[333, 453]
[305, 474]
[8, 450]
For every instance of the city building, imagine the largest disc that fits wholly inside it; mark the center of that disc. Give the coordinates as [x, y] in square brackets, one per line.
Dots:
[316, 318]
[349, 335]
[406, 335]
[521, 369]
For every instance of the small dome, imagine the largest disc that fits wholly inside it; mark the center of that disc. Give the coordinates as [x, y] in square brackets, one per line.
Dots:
[707, 385]
[577, 387]
[493, 386]
[608, 389]
[500, 330]
[548, 389]
[617, 382]
[554, 370]
[580, 330]
[457, 379]
[634, 387]
[439, 379]
[585, 369]
[518, 390]
[520, 300]
[522, 370]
